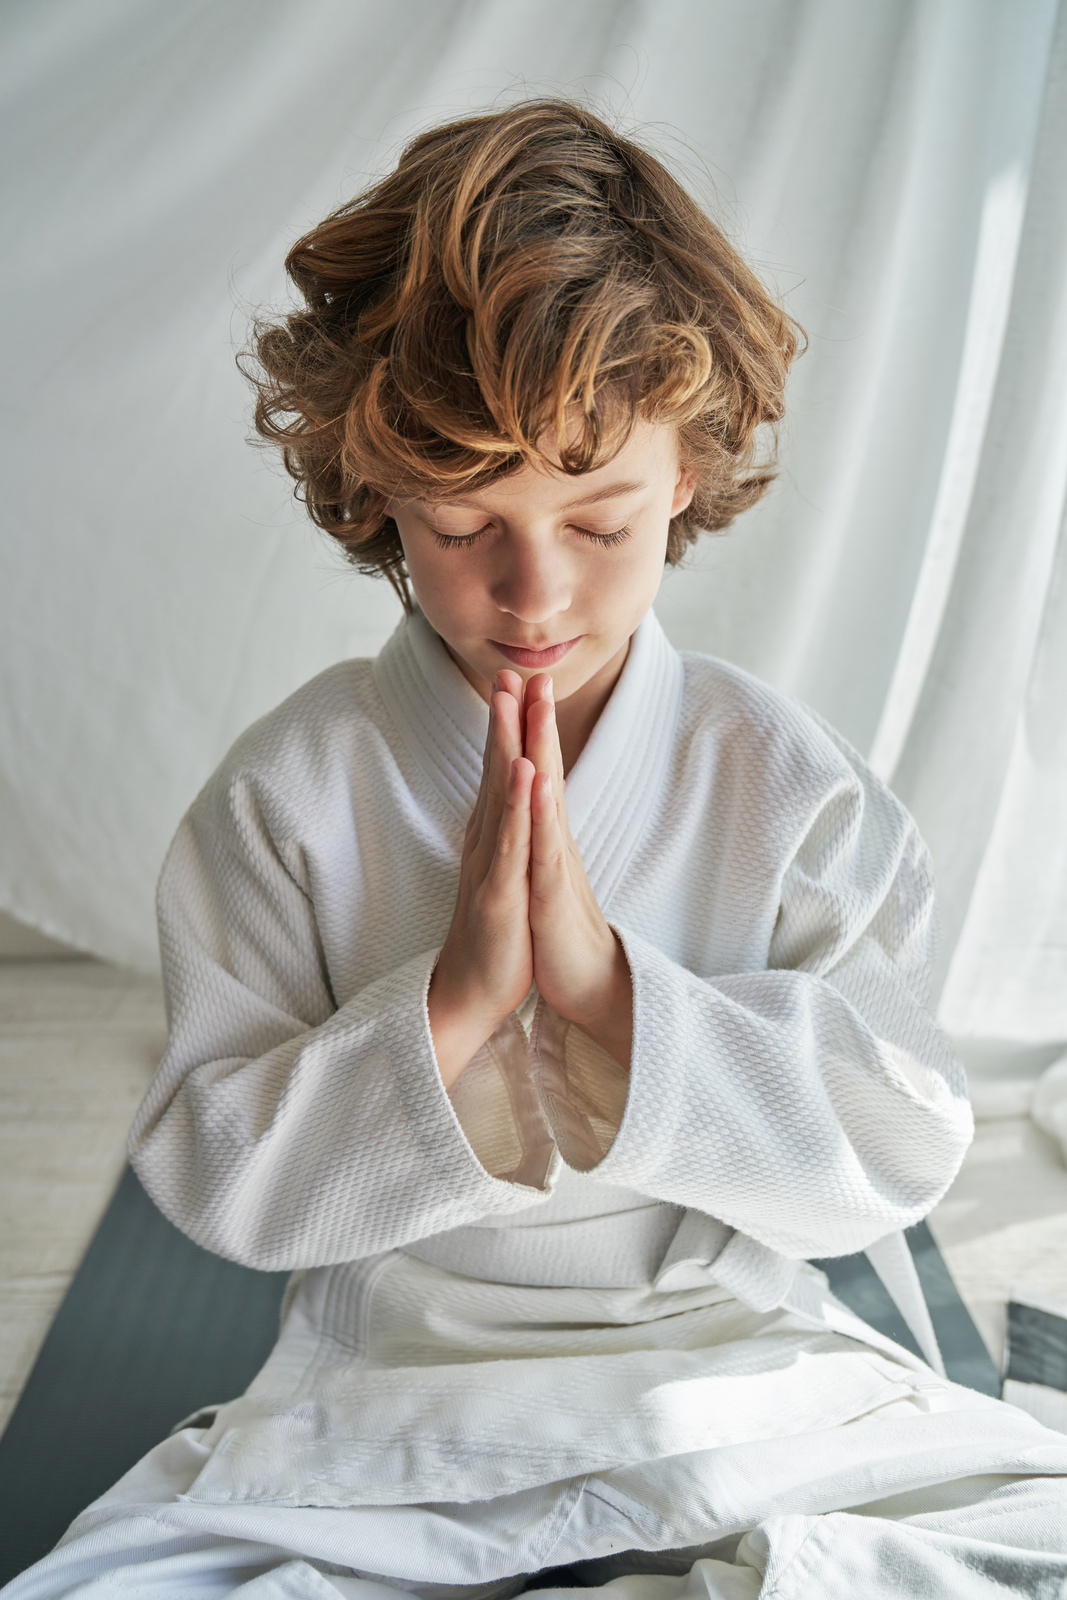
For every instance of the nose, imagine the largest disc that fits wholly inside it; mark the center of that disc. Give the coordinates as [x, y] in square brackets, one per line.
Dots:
[534, 582]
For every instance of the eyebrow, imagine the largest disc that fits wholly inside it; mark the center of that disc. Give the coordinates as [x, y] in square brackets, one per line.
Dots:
[611, 492]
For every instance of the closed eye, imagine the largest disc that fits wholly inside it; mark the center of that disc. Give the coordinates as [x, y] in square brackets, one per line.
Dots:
[605, 538]
[455, 541]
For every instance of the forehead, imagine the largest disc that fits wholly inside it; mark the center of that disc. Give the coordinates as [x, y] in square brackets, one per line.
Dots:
[648, 457]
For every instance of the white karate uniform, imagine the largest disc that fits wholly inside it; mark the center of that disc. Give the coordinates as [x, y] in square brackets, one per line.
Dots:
[563, 1313]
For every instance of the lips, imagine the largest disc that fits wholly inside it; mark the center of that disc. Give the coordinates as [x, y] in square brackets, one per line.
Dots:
[541, 659]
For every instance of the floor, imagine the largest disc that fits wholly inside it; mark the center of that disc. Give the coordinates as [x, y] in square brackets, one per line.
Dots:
[78, 1044]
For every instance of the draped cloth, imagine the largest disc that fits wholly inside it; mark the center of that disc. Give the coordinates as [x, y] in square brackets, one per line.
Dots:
[898, 169]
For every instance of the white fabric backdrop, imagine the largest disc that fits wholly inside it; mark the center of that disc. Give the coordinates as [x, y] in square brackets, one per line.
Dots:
[898, 167]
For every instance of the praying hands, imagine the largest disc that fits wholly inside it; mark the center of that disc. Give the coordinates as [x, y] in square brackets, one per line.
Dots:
[525, 912]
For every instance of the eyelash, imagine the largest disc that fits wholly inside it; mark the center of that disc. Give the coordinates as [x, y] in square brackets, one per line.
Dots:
[453, 542]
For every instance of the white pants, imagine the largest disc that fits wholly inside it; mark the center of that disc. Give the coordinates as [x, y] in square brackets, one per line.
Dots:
[953, 1535]
[660, 1446]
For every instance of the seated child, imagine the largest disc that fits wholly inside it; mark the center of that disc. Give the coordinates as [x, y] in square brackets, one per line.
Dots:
[544, 998]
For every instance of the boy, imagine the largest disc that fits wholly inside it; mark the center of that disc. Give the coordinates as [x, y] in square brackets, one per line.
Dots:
[547, 1068]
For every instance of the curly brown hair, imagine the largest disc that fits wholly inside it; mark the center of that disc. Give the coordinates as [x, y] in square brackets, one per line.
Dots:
[522, 276]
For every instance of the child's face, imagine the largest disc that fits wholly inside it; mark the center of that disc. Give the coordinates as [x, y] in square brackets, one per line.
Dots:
[545, 572]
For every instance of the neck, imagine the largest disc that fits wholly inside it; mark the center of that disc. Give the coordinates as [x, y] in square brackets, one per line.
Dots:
[577, 715]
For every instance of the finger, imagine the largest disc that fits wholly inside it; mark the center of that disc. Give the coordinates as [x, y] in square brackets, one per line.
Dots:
[511, 857]
[510, 682]
[542, 741]
[505, 684]
[548, 854]
[487, 753]
[539, 687]
[505, 746]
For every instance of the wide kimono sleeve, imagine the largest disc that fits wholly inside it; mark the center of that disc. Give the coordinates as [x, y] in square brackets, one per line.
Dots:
[281, 1131]
[813, 1106]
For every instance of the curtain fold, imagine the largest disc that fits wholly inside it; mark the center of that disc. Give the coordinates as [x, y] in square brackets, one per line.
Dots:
[984, 761]
[898, 169]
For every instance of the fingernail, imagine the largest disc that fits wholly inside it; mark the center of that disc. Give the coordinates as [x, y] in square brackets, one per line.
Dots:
[550, 689]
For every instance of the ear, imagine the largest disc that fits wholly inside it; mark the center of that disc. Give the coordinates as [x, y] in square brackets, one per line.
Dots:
[684, 489]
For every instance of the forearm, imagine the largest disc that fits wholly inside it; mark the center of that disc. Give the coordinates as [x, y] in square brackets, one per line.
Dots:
[460, 1023]
[768, 1101]
[606, 1011]
[335, 1144]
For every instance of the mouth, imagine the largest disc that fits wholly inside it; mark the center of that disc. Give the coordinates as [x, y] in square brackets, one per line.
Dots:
[548, 657]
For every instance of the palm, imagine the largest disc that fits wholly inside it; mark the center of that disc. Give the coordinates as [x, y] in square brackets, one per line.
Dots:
[525, 910]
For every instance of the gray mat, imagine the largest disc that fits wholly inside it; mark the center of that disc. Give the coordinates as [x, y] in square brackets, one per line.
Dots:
[1037, 1347]
[153, 1327]
[967, 1361]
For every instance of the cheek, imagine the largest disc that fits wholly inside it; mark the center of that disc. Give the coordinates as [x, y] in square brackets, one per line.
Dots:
[630, 576]
[447, 588]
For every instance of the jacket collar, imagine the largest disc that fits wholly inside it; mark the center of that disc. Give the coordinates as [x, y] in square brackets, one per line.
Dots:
[613, 786]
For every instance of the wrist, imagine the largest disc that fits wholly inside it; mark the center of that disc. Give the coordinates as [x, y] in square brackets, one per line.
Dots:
[461, 1020]
[606, 1012]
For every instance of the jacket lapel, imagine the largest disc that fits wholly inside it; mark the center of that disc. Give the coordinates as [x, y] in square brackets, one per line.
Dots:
[616, 781]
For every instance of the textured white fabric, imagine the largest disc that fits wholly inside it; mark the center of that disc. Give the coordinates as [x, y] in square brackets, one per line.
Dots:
[898, 168]
[774, 903]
